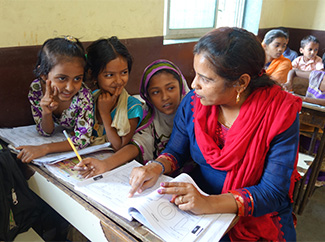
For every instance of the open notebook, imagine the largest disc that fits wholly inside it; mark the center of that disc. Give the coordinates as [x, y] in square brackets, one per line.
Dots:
[27, 135]
[152, 209]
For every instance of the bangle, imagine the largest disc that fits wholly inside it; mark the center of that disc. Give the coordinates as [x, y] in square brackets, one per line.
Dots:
[158, 162]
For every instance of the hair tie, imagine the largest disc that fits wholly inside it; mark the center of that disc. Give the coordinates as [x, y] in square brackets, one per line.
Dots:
[261, 72]
[70, 38]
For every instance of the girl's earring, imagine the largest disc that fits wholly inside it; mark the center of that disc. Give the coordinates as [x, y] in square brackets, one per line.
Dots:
[238, 97]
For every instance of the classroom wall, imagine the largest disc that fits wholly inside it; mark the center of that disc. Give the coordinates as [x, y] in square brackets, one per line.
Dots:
[26, 24]
[299, 14]
[31, 22]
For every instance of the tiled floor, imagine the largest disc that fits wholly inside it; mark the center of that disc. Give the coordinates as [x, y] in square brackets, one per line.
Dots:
[311, 224]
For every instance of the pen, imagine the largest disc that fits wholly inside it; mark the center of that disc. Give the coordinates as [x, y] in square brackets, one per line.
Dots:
[71, 144]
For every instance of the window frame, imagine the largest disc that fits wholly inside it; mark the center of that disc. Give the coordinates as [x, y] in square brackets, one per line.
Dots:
[192, 33]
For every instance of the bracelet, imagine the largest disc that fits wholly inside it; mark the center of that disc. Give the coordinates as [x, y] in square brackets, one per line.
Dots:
[158, 162]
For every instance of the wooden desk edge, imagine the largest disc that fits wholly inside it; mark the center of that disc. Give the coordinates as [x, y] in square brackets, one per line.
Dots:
[113, 230]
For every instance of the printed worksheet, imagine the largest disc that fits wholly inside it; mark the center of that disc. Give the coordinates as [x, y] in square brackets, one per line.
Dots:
[111, 189]
[28, 135]
[152, 209]
[56, 157]
[168, 221]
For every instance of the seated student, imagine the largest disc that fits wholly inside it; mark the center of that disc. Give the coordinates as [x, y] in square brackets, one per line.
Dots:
[277, 66]
[59, 96]
[309, 60]
[288, 53]
[162, 87]
[316, 87]
[117, 114]
[315, 94]
[242, 131]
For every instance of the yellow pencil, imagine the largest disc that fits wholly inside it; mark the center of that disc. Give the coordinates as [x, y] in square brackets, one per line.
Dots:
[71, 144]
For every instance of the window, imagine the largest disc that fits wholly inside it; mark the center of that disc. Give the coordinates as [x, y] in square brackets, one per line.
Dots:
[193, 18]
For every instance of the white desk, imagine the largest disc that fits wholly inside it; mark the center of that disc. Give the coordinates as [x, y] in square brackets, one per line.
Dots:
[94, 221]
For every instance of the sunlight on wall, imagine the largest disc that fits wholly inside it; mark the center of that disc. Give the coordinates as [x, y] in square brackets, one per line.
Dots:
[272, 13]
[307, 14]
[300, 14]
[32, 22]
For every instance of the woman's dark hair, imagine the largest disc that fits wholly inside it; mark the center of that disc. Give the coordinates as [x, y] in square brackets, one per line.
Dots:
[233, 52]
[55, 50]
[102, 51]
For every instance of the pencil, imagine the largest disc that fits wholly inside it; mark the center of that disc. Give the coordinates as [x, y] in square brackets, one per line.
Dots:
[71, 144]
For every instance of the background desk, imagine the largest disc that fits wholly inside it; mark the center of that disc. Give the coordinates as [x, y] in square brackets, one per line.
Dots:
[312, 115]
[93, 220]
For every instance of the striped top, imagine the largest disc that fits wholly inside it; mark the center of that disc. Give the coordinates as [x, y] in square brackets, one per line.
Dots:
[315, 80]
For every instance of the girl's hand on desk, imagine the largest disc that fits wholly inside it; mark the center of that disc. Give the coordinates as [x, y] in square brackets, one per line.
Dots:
[186, 197]
[29, 152]
[144, 177]
[90, 167]
[48, 103]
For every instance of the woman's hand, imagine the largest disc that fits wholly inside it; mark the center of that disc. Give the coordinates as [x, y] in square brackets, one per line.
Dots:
[186, 197]
[47, 103]
[90, 167]
[144, 177]
[29, 152]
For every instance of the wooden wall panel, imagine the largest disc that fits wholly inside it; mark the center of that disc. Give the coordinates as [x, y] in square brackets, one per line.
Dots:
[17, 64]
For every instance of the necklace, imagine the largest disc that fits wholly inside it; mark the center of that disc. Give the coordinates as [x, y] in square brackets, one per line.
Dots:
[222, 120]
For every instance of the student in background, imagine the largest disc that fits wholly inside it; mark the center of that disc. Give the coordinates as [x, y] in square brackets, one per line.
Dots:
[277, 66]
[242, 131]
[117, 114]
[162, 88]
[309, 60]
[315, 94]
[288, 53]
[316, 87]
[59, 96]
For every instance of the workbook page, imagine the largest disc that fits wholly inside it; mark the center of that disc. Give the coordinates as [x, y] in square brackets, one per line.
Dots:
[111, 189]
[28, 135]
[167, 220]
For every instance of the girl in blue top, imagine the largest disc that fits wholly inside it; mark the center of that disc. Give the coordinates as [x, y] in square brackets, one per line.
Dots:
[117, 114]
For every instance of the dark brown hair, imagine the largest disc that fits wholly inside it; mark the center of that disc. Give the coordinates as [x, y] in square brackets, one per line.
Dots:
[233, 52]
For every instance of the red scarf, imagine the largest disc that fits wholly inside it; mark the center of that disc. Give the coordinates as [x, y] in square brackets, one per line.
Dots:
[266, 113]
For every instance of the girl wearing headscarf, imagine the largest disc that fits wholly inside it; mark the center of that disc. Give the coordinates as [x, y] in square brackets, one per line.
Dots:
[162, 87]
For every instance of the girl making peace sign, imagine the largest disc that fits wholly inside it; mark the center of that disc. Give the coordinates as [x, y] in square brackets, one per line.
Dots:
[58, 95]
